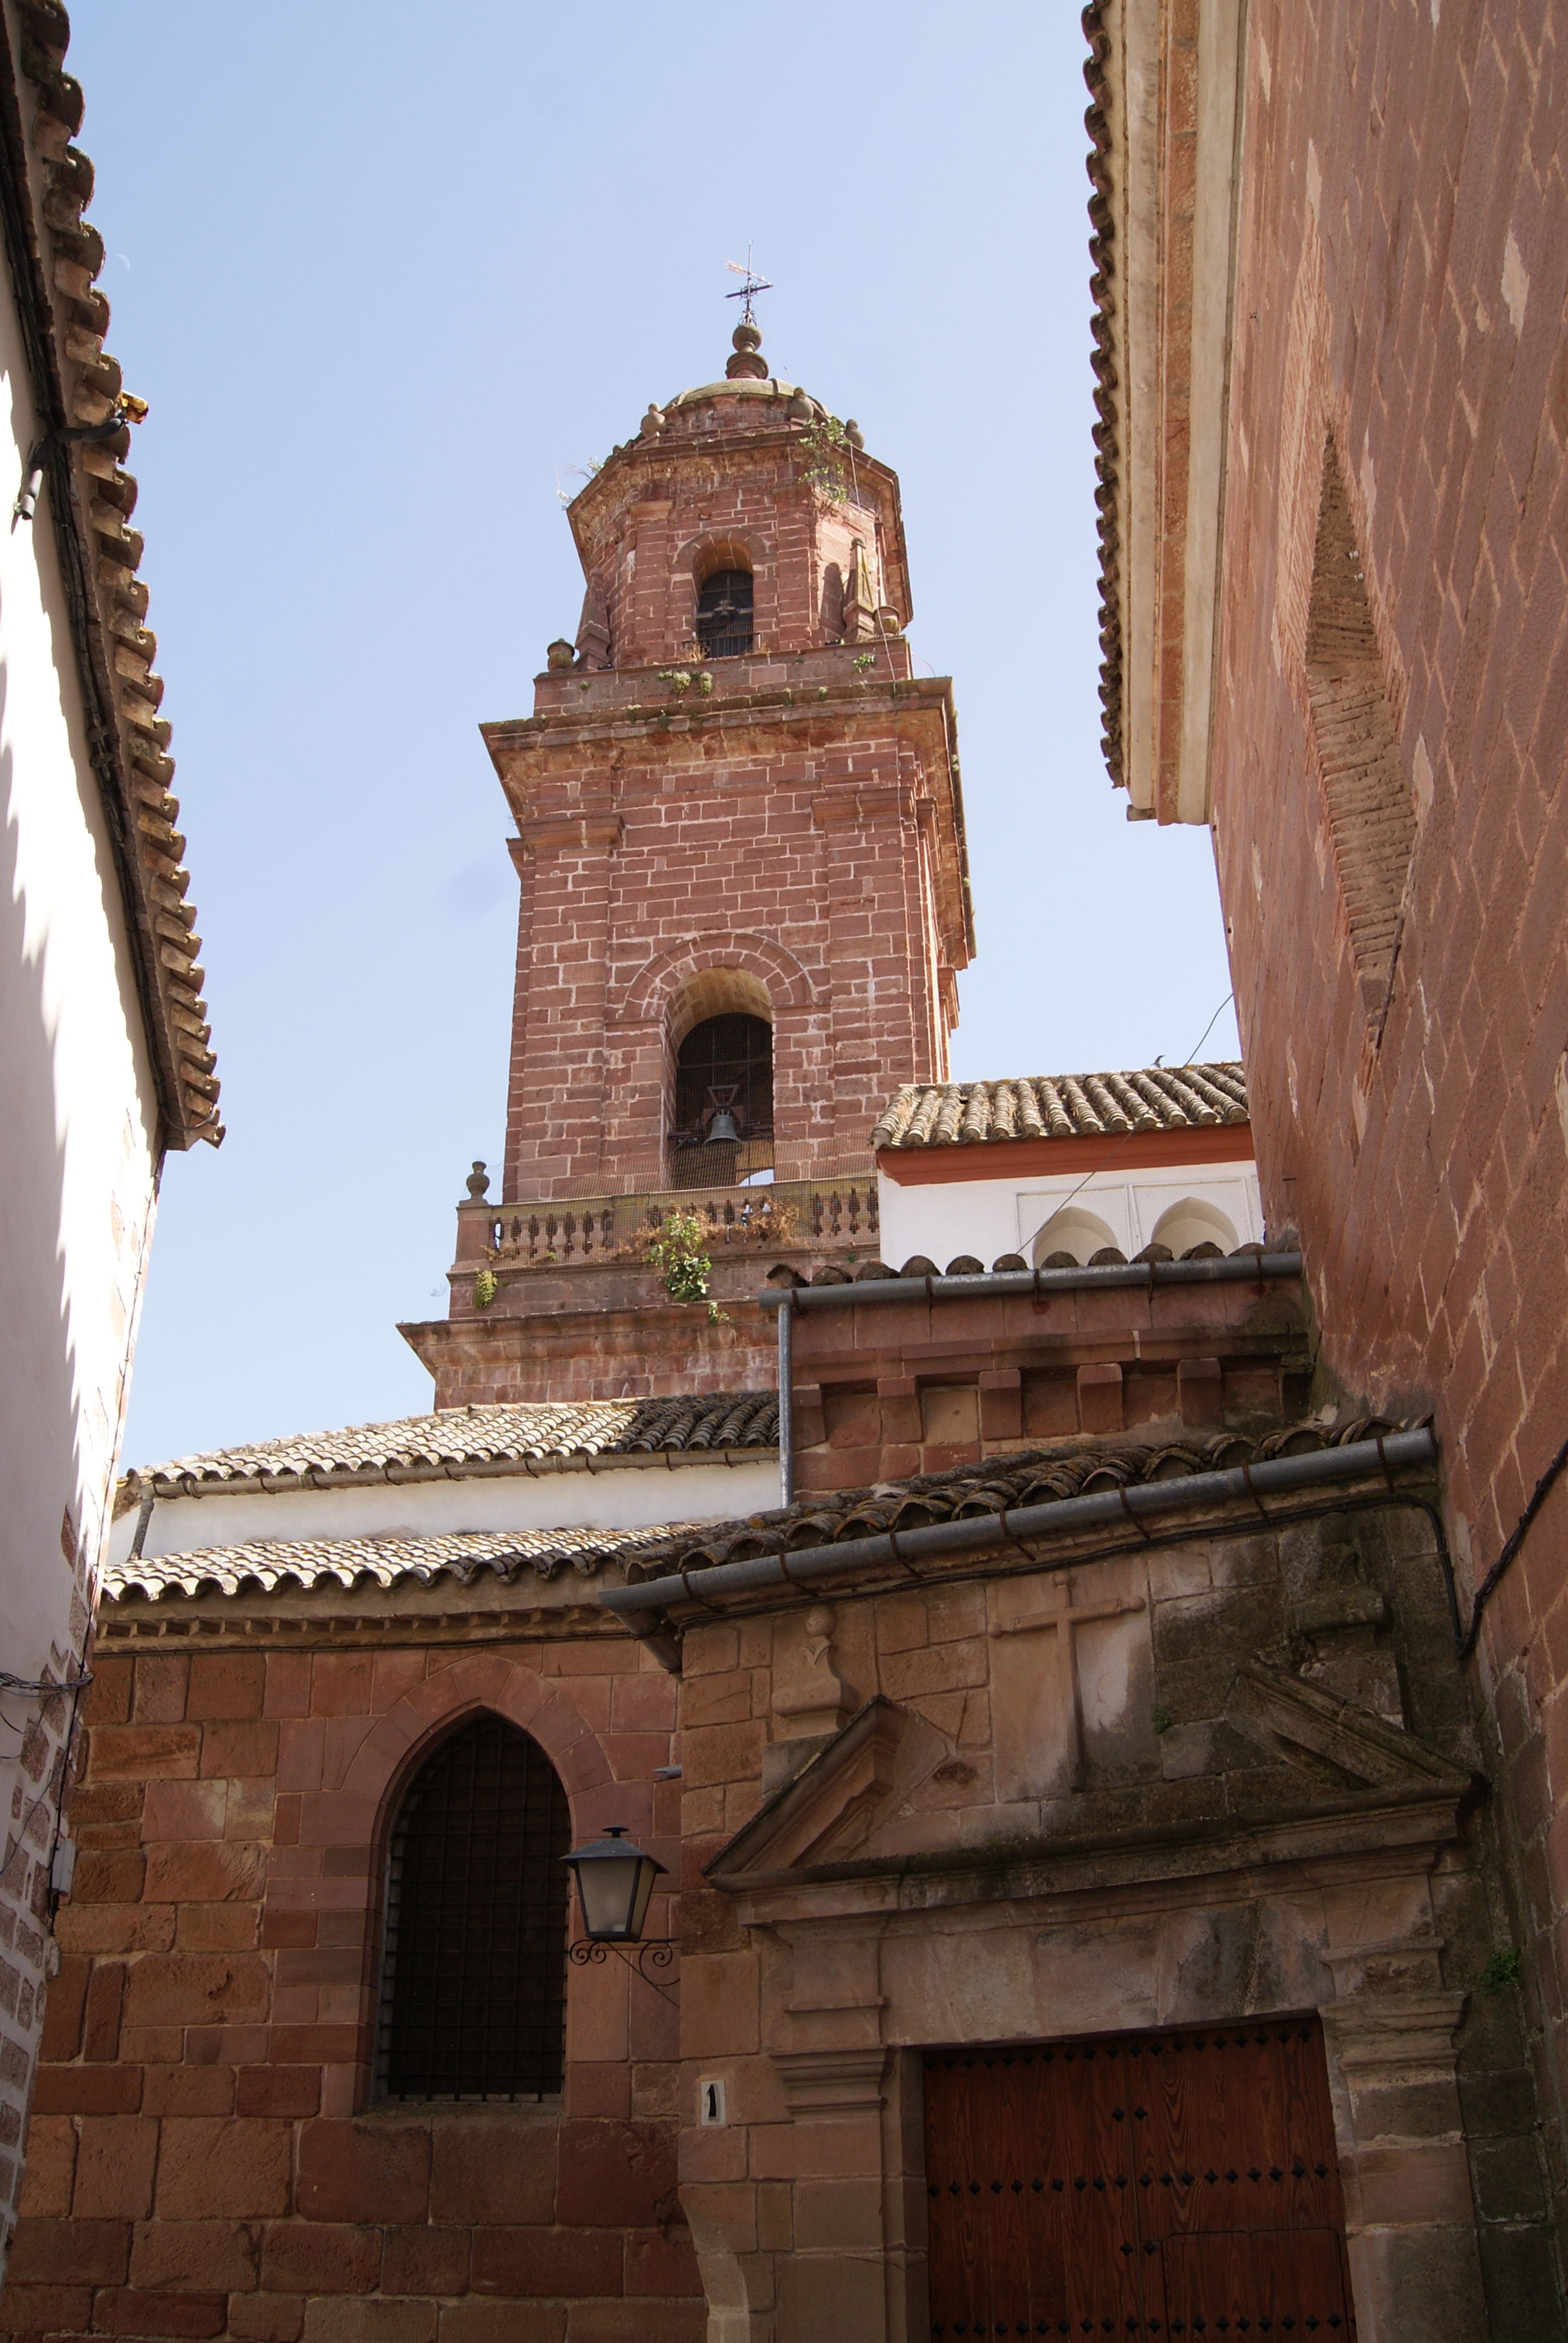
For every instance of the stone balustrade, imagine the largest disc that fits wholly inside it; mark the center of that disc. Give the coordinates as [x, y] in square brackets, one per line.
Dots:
[817, 1215]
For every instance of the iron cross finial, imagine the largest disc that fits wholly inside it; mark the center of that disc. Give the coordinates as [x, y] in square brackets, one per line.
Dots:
[752, 285]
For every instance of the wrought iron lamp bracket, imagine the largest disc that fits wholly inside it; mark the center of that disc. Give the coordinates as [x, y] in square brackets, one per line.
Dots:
[654, 1952]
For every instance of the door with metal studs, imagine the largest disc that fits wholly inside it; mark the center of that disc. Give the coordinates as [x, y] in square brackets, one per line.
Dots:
[1178, 2185]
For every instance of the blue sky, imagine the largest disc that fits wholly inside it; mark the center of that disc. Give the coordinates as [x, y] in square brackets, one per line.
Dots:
[388, 276]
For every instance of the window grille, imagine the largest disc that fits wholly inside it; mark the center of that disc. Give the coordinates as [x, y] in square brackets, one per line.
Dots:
[473, 1990]
[723, 614]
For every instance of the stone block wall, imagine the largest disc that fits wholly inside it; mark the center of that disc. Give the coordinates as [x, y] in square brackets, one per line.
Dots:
[1399, 306]
[885, 1390]
[786, 840]
[957, 1888]
[203, 2160]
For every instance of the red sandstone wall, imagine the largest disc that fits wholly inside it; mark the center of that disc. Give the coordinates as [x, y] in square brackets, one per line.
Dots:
[1403, 270]
[794, 852]
[889, 1390]
[200, 2160]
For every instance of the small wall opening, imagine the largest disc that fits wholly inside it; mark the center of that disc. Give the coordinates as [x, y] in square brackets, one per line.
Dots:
[1076, 1233]
[725, 613]
[1371, 822]
[1191, 1223]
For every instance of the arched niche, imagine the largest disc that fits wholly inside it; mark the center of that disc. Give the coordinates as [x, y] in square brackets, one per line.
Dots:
[1191, 1222]
[1072, 1230]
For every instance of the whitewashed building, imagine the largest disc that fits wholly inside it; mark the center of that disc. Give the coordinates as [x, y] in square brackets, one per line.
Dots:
[105, 1055]
[1052, 1169]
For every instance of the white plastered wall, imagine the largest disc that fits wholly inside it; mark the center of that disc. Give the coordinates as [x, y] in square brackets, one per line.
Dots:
[77, 1175]
[986, 1217]
[645, 1495]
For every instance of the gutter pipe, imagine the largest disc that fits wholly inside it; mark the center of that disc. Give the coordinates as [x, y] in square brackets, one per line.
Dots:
[787, 1398]
[1278, 1476]
[1234, 1268]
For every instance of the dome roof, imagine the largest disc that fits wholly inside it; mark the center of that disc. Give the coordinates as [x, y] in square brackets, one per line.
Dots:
[747, 376]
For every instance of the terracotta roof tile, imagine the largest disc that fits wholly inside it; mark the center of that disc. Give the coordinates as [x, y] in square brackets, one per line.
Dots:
[266, 1564]
[1063, 1106]
[87, 500]
[1033, 1477]
[1103, 362]
[455, 1438]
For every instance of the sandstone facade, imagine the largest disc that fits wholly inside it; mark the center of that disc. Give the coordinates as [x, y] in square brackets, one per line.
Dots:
[1364, 260]
[203, 2160]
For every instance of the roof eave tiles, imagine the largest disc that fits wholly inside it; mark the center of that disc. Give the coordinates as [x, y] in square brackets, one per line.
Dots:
[55, 258]
[1063, 1106]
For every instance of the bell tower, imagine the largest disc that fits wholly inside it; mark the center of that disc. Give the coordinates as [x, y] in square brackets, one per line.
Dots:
[739, 839]
[732, 799]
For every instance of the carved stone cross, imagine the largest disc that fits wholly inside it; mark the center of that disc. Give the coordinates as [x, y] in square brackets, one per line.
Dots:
[1064, 1618]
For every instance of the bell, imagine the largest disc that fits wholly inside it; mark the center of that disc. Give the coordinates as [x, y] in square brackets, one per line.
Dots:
[723, 1129]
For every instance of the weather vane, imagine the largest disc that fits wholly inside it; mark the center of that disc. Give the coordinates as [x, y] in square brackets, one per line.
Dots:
[751, 286]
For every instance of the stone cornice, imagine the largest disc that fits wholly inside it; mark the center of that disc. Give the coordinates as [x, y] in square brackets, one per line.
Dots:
[1168, 77]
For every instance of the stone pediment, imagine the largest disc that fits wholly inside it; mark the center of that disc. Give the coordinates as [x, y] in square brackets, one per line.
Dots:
[869, 1821]
[1330, 1740]
[827, 1812]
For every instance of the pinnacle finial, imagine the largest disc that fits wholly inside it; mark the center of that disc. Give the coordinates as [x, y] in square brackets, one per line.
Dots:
[748, 360]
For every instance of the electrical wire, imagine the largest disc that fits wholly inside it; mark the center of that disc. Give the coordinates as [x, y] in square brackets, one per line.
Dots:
[1096, 1169]
[75, 1685]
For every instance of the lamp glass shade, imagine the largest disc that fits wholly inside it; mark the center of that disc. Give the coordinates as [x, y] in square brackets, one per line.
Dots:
[615, 1880]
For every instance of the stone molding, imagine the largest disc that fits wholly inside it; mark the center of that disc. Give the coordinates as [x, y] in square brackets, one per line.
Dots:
[1391, 2035]
[833, 2082]
[643, 998]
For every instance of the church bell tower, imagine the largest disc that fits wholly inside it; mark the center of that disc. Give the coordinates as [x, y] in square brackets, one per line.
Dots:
[740, 850]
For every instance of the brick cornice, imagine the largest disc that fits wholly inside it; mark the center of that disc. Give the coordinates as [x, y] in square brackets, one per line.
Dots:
[861, 802]
[562, 832]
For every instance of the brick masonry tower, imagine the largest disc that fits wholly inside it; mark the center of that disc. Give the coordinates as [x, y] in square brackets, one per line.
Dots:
[744, 888]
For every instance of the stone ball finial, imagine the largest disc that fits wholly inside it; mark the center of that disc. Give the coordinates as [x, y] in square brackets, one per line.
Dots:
[652, 423]
[478, 1183]
[560, 653]
[747, 363]
[853, 434]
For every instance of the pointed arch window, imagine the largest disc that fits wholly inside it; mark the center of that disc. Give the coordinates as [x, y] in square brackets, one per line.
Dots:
[723, 614]
[473, 1986]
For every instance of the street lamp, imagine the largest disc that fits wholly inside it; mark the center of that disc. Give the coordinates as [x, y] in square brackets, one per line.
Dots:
[615, 1879]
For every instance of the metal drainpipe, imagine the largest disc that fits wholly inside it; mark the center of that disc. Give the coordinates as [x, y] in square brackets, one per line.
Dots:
[786, 1402]
[1141, 1500]
[1234, 1268]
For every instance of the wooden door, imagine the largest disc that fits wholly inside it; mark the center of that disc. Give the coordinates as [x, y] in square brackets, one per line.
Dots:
[1152, 2185]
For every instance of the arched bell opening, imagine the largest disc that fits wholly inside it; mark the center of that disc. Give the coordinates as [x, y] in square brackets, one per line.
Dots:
[721, 1081]
[726, 613]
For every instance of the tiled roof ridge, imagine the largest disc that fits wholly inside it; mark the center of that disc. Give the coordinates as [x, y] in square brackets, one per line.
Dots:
[77, 383]
[1064, 1106]
[1103, 362]
[996, 1483]
[263, 1565]
[484, 1432]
